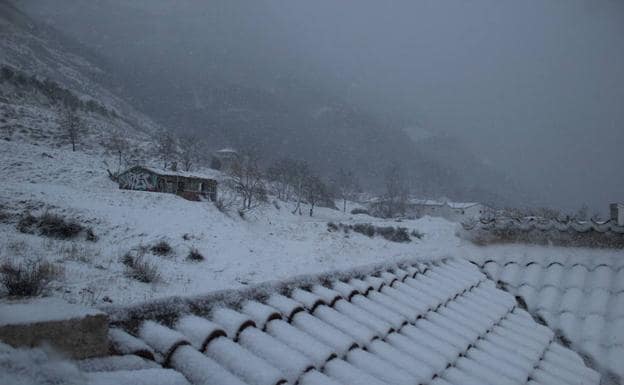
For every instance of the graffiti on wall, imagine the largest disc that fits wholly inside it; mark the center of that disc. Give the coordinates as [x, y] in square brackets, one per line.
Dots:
[138, 180]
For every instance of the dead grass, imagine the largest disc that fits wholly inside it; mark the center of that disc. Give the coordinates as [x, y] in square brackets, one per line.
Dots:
[162, 248]
[194, 255]
[139, 268]
[28, 278]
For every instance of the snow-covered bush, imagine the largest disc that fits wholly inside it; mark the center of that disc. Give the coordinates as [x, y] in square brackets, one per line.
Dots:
[194, 255]
[53, 226]
[27, 279]
[137, 267]
[393, 234]
[364, 228]
[161, 248]
[26, 223]
[359, 211]
[77, 253]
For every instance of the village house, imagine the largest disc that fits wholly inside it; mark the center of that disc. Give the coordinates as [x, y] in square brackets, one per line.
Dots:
[185, 184]
[453, 211]
[224, 160]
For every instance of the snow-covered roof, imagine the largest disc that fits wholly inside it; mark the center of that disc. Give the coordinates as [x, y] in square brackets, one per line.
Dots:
[227, 150]
[431, 202]
[41, 310]
[581, 297]
[433, 323]
[213, 174]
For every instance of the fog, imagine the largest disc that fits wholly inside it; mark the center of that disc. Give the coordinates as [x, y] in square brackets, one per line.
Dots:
[534, 90]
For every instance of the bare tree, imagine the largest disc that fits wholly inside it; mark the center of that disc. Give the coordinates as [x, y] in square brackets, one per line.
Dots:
[166, 147]
[316, 192]
[246, 180]
[300, 172]
[346, 186]
[395, 198]
[281, 175]
[190, 151]
[119, 146]
[72, 127]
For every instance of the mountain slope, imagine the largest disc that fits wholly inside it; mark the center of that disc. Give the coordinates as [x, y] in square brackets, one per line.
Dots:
[40, 76]
[231, 74]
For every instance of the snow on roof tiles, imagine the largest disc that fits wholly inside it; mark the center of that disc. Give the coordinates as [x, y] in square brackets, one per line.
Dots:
[582, 299]
[206, 174]
[440, 323]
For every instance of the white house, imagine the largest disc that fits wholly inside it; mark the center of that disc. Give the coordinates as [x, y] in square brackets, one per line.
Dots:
[453, 211]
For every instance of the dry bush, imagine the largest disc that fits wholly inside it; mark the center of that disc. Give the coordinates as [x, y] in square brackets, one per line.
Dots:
[194, 255]
[161, 248]
[26, 223]
[76, 253]
[364, 228]
[390, 233]
[55, 226]
[28, 278]
[138, 268]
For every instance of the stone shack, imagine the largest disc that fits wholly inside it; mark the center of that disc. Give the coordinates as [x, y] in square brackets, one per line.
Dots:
[188, 185]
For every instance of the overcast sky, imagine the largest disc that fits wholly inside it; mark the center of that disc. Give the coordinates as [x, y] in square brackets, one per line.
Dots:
[535, 87]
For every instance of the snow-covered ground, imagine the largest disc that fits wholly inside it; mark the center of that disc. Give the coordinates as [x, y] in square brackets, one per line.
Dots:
[269, 244]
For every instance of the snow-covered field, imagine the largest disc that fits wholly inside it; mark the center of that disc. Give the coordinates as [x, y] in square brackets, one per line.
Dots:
[269, 244]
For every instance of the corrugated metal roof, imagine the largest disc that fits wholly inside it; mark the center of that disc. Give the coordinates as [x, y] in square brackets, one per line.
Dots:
[437, 323]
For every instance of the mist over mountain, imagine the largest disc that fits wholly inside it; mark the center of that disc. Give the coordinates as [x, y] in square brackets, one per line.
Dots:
[363, 86]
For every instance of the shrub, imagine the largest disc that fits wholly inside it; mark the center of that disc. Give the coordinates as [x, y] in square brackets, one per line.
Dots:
[90, 235]
[4, 216]
[76, 253]
[55, 226]
[417, 234]
[26, 223]
[127, 259]
[364, 228]
[331, 226]
[221, 205]
[400, 235]
[387, 232]
[140, 269]
[359, 211]
[162, 248]
[27, 279]
[195, 255]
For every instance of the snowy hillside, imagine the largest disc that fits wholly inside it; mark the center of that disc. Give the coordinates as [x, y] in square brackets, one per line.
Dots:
[270, 244]
[39, 76]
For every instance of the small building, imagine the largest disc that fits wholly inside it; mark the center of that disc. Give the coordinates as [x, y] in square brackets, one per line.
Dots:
[224, 160]
[453, 211]
[188, 185]
[617, 213]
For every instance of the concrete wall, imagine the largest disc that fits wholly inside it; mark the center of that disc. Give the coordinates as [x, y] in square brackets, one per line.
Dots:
[75, 331]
